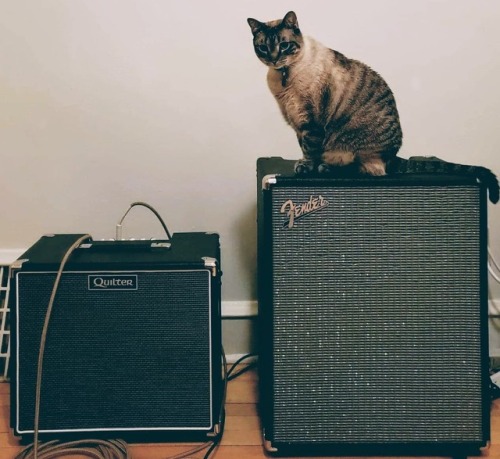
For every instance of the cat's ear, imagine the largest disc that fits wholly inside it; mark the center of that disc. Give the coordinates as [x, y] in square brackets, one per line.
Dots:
[254, 25]
[290, 20]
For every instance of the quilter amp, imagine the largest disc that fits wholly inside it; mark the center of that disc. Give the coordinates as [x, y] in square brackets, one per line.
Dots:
[134, 343]
[373, 313]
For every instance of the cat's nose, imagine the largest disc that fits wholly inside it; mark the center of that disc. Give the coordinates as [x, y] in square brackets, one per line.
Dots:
[274, 57]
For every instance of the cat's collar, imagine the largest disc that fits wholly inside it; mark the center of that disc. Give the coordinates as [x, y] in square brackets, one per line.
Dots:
[284, 75]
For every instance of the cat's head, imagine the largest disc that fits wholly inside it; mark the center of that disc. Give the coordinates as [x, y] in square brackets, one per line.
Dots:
[277, 43]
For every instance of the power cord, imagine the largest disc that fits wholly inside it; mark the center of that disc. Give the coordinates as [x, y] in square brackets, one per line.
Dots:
[231, 376]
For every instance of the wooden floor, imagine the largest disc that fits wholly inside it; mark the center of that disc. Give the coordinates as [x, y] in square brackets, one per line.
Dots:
[241, 439]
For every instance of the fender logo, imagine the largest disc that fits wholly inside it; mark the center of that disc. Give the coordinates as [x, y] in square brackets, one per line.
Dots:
[295, 212]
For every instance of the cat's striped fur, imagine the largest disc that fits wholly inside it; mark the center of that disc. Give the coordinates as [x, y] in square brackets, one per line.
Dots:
[342, 111]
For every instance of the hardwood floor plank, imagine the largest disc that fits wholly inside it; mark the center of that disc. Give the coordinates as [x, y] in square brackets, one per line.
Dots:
[4, 397]
[158, 451]
[241, 409]
[495, 429]
[4, 419]
[242, 392]
[7, 439]
[240, 452]
[7, 452]
[245, 423]
[241, 438]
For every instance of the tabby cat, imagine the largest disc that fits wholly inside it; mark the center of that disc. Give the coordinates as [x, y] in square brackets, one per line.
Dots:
[342, 111]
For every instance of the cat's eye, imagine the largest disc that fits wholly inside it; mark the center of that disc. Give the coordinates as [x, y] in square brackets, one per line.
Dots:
[262, 49]
[284, 45]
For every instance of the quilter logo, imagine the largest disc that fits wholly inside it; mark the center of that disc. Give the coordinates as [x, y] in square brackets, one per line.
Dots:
[113, 282]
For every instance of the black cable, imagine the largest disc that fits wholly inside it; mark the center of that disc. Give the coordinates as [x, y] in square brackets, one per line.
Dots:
[152, 209]
[231, 376]
[211, 449]
[218, 440]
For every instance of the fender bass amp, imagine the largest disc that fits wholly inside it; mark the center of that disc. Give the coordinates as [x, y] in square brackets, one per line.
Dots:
[133, 348]
[373, 313]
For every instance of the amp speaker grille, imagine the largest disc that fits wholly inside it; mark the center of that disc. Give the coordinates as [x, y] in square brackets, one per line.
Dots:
[117, 360]
[376, 315]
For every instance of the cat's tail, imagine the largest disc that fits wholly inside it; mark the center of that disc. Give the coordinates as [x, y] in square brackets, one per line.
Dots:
[434, 165]
[487, 177]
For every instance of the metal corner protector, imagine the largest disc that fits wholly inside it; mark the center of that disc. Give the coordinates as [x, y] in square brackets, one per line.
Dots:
[211, 263]
[269, 180]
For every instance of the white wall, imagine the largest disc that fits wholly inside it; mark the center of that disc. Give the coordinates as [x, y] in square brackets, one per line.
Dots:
[107, 102]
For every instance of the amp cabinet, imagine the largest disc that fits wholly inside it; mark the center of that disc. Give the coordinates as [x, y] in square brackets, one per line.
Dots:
[373, 313]
[134, 341]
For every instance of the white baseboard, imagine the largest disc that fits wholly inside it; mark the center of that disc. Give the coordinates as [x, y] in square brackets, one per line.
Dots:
[7, 256]
[237, 309]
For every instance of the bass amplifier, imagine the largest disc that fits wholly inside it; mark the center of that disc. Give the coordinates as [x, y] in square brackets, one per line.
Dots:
[373, 313]
[133, 347]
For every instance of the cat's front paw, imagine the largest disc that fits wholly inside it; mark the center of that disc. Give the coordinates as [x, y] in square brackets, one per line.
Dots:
[375, 167]
[337, 171]
[304, 166]
[324, 168]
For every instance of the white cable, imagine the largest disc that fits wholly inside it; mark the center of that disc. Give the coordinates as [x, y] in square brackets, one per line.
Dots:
[493, 259]
[493, 274]
[492, 262]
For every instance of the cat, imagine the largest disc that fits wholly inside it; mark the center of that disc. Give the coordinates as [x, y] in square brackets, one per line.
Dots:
[342, 111]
